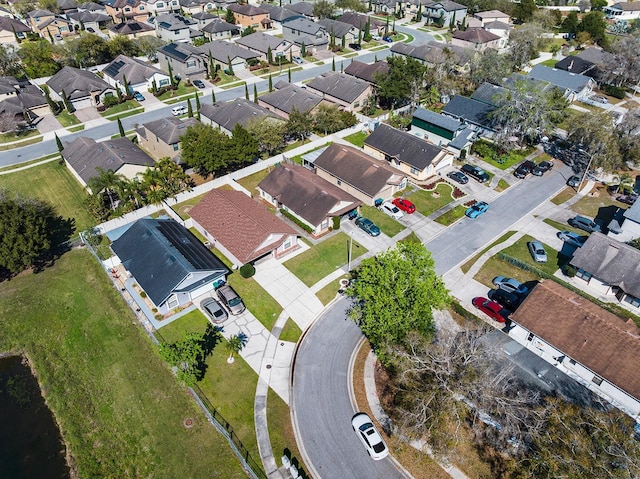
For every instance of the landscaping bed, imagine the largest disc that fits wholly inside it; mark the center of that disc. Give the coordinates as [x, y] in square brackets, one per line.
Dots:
[497, 157]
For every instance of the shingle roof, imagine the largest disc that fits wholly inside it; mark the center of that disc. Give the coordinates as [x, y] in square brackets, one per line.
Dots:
[40, 13]
[77, 83]
[599, 340]
[633, 212]
[575, 64]
[437, 119]
[487, 93]
[304, 25]
[491, 14]
[85, 156]
[366, 71]
[303, 8]
[11, 24]
[179, 51]
[611, 261]
[339, 29]
[218, 25]
[338, 85]
[173, 22]
[470, 110]
[170, 129]
[595, 55]
[86, 16]
[306, 194]
[279, 14]
[238, 111]
[475, 35]
[403, 146]
[359, 20]
[627, 6]
[559, 78]
[290, 97]
[9, 84]
[260, 41]
[161, 254]
[249, 10]
[357, 169]
[243, 226]
[66, 4]
[137, 72]
[90, 6]
[203, 16]
[496, 25]
[224, 51]
[447, 6]
[130, 27]
[434, 52]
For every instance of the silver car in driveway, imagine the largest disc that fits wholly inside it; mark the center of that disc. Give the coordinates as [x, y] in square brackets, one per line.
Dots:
[214, 310]
[537, 251]
[231, 299]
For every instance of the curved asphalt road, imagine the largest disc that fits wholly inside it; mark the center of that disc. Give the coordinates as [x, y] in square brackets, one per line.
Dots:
[322, 405]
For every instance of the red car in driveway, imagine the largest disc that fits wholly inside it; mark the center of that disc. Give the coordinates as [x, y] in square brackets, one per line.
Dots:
[404, 205]
[491, 309]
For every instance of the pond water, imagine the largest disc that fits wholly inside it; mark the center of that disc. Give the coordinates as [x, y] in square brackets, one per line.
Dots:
[30, 442]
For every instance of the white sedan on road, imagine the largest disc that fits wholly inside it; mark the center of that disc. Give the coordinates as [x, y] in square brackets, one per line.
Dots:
[370, 437]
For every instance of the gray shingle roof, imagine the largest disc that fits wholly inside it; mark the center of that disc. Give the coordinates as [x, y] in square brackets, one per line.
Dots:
[491, 14]
[303, 25]
[447, 6]
[303, 8]
[366, 71]
[611, 261]
[633, 212]
[137, 72]
[247, 9]
[279, 14]
[170, 129]
[260, 41]
[306, 194]
[289, 97]
[339, 85]
[469, 110]
[223, 51]
[173, 22]
[179, 51]
[76, 83]
[339, 29]
[85, 156]
[359, 20]
[11, 24]
[130, 27]
[217, 25]
[161, 254]
[487, 93]
[437, 119]
[87, 16]
[434, 52]
[403, 146]
[238, 111]
[357, 169]
[559, 78]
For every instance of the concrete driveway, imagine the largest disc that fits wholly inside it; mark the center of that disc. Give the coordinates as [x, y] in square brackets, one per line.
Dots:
[87, 114]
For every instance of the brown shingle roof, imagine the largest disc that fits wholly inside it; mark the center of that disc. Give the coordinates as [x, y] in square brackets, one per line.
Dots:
[583, 331]
[244, 227]
[475, 35]
[366, 71]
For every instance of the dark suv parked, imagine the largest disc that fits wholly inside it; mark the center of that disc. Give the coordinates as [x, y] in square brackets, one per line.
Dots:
[510, 301]
[475, 172]
[524, 169]
[584, 223]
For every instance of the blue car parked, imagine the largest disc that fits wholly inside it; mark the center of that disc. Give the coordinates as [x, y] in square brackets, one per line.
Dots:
[477, 209]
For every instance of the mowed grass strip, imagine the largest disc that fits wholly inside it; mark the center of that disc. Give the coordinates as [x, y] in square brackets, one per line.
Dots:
[53, 183]
[120, 409]
[386, 223]
[427, 202]
[323, 258]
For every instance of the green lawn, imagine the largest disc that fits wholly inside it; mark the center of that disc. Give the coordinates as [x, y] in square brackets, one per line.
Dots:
[326, 294]
[122, 107]
[323, 258]
[67, 119]
[281, 433]
[291, 332]
[564, 195]
[451, 216]
[467, 266]
[426, 202]
[549, 63]
[502, 185]
[357, 138]
[183, 208]
[182, 90]
[28, 141]
[603, 206]
[489, 152]
[251, 182]
[256, 299]
[53, 183]
[17, 136]
[386, 223]
[119, 408]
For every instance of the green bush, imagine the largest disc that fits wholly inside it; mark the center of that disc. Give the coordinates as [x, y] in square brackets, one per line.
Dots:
[336, 222]
[570, 271]
[110, 101]
[247, 270]
[614, 91]
[302, 225]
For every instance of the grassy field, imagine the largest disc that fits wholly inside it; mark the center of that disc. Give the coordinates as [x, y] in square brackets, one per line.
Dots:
[323, 258]
[251, 182]
[467, 266]
[603, 206]
[121, 108]
[183, 208]
[67, 119]
[119, 408]
[451, 216]
[280, 429]
[182, 90]
[426, 202]
[502, 185]
[386, 223]
[54, 184]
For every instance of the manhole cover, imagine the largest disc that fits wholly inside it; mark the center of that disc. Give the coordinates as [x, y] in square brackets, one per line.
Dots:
[268, 366]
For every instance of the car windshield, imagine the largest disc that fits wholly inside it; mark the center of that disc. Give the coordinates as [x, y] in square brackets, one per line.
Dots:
[217, 313]
[235, 301]
[365, 426]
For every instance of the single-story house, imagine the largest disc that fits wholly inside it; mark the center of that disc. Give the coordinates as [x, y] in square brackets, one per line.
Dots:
[445, 12]
[85, 158]
[251, 16]
[347, 92]
[286, 97]
[403, 151]
[82, 87]
[131, 29]
[623, 11]
[489, 93]
[168, 262]
[240, 111]
[367, 71]
[185, 60]
[574, 86]
[307, 196]
[161, 138]
[301, 31]
[625, 226]
[244, 230]
[359, 174]
[596, 348]
[492, 16]
[473, 113]
[139, 75]
[172, 27]
[260, 43]
[610, 267]
[10, 28]
[477, 39]
[218, 29]
[223, 52]
[442, 130]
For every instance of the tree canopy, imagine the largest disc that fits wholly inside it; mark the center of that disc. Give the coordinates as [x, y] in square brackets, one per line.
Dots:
[404, 82]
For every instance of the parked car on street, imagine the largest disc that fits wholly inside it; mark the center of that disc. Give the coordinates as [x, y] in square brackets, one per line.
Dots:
[524, 169]
[491, 308]
[199, 83]
[574, 181]
[138, 96]
[392, 210]
[584, 223]
[214, 310]
[509, 285]
[368, 226]
[369, 436]
[510, 301]
[405, 205]
[574, 239]
[179, 110]
[476, 210]
[475, 172]
[231, 300]
[297, 60]
[355, 46]
[458, 177]
[542, 168]
[387, 39]
[536, 249]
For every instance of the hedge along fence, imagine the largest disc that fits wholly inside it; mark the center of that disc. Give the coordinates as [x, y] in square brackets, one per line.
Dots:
[302, 225]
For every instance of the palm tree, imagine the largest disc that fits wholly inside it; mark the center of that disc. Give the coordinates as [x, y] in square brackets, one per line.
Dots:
[234, 346]
[107, 181]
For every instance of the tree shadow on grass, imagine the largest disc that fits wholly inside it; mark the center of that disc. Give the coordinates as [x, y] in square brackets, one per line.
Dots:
[210, 339]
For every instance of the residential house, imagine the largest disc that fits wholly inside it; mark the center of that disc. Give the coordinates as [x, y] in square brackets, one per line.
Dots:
[172, 27]
[403, 151]
[10, 28]
[222, 53]
[435, 54]
[160, 7]
[128, 10]
[623, 11]
[251, 16]
[445, 13]
[302, 8]
[359, 20]
[218, 29]
[389, 7]
[22, 99]
[195, 7]
[226, 115]
[306, 196]
[610, 267]
[202, 18]
[591, 62]
[139, 75]
[473, 113]
[301, 31]
[279, 15]
[476, 39]
[502, 30]
[574, 86]
[596, 348]
[66, 6]
[625, 225]
[86, 158]
[92, 7]
[347, 92]
[161, 138]
[86, 19]
[359, 174]
[492, 16]
[83, 88]
[341, 31]
[47, 24]
[442, 130]
[489, 93]
[244, 230]
[4, 13]
[168, 262]
[286, 97]
[367, 71]
[260, 43]
[131, 29]
[186, 60]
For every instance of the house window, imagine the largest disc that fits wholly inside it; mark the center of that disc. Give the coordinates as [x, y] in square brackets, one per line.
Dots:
[415, 171]
[584, 275]
[160, 5]
[127, 9]
[632, 300]
[597, 380]
[175, 147]
[530, 337]
[191, 64]
[164, 82]
[339, 182]
[141, 8]
[172, 302]
[287, 244]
